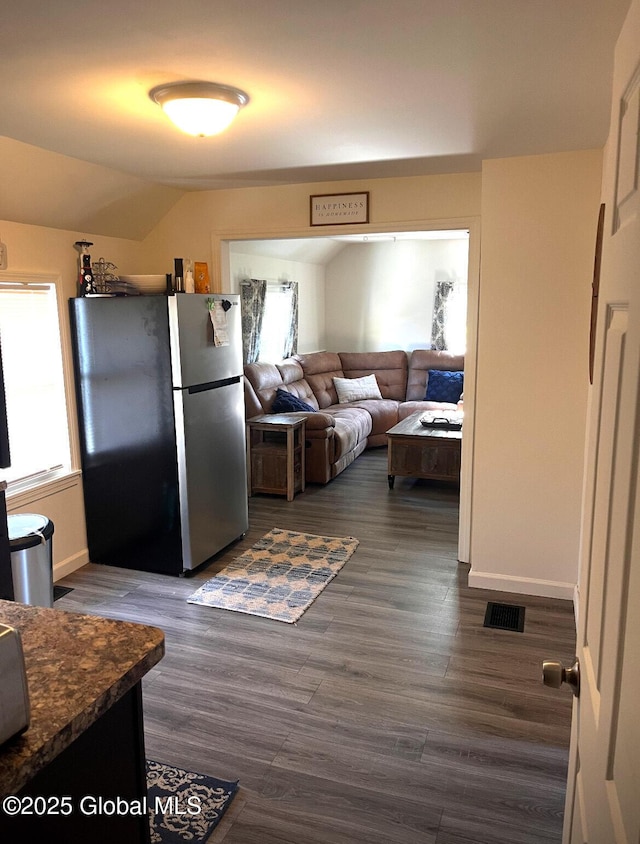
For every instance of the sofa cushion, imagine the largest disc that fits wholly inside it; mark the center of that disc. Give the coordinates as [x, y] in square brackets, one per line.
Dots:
[352, 426]
[444, 385]
[408, 407]
[423, 360]
[383, 413]
[319, 370]
[390, 369]
[286, 402]
[356, 389]
[262, 380]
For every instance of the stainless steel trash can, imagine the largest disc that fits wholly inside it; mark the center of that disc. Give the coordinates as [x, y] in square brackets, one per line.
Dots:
[31, 558]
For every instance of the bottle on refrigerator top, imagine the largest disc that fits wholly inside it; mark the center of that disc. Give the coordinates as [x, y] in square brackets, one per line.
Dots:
[189, 285]
[179, 278]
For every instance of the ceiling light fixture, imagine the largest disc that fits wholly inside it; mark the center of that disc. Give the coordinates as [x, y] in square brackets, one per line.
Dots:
[199, 108]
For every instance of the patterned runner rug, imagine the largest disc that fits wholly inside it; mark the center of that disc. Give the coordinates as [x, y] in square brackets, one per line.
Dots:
[279, 577]
[184, 806]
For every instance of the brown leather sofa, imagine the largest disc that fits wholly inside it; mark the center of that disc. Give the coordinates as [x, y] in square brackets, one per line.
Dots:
[338, 433]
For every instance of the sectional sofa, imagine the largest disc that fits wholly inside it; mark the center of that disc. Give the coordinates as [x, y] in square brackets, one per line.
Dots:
[339, 431]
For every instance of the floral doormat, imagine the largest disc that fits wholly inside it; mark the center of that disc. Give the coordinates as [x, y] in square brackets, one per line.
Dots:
[279, 577]
[184, 806]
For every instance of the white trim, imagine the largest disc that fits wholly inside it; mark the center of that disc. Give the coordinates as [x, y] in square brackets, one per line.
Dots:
[65, 351]
[71, 564]
[221, 280]
[576, 603]
[521, 585]
[44, 489]
[470, 364]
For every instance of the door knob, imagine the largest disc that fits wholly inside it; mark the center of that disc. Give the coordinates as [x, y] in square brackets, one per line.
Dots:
[554, 674]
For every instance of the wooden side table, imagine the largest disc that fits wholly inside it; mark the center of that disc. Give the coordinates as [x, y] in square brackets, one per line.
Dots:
[275, 454]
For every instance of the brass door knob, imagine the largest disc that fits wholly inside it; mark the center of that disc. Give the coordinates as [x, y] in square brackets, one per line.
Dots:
[554, 674]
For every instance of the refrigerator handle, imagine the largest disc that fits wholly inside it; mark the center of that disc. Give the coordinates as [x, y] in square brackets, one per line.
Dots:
[213, 385]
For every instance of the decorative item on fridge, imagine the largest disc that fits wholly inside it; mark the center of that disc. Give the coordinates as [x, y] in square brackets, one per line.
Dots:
[189, 285]
[86, 284]
[105, 280]
[201, 277]
[178, 284]
[218, 315]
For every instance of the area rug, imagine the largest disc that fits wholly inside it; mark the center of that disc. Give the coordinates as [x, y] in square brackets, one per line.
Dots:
[279, 577]
[184, 806]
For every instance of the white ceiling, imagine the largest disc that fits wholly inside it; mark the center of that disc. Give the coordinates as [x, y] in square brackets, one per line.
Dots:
[340, 89]
[320, 250]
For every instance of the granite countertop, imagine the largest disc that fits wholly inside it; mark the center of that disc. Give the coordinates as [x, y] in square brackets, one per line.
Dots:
[78, 666]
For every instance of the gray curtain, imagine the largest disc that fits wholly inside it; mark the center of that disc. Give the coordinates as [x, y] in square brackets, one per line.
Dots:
[253, 294]
[439, 324]
[291, 341]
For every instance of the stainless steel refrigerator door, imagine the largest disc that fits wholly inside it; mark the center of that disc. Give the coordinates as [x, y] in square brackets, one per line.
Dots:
[212, 473]
[195, 357]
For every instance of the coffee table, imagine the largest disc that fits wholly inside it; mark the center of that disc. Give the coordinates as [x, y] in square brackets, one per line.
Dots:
[419, 452]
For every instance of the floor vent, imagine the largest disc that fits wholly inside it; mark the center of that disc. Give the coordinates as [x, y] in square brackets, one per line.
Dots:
[60, 591]
[504, 617]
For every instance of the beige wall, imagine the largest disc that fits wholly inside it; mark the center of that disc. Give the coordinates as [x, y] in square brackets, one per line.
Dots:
[36, 249]
[45, 188]
[538, 229]
[199, 221]
[539, 217]
[380, 295]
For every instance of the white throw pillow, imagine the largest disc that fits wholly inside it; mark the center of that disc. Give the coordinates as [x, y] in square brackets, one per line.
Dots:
[356, 389]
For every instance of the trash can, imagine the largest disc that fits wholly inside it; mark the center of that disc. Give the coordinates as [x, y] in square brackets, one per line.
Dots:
[31, 558]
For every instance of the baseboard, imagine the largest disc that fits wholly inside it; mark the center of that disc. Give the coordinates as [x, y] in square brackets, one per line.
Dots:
[521, 585]
[65, 567]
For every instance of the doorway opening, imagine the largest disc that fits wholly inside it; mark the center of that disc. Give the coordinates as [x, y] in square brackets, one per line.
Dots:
[303, 256]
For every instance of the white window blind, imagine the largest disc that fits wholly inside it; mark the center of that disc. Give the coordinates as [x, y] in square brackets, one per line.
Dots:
[34, 381]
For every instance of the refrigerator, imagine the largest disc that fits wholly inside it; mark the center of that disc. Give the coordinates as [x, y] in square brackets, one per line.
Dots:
[159, 387]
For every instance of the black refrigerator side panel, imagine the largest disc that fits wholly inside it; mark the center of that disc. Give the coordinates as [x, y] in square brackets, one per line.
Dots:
[122, 366]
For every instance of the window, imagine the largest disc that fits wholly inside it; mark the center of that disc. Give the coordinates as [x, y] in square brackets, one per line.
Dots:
[34, 380]
[276, 322]
[456, 319]
[269, 319]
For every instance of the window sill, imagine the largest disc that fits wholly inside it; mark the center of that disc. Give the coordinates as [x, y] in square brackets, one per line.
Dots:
[21, 494]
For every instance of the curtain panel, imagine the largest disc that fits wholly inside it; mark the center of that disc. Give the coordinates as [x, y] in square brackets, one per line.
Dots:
[253, 296]
[439, 324]
[291, 340]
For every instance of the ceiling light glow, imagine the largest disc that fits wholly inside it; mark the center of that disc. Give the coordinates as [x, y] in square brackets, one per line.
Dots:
[199, 108]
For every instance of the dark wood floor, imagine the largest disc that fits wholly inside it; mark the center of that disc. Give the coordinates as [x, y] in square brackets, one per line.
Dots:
[388, 714]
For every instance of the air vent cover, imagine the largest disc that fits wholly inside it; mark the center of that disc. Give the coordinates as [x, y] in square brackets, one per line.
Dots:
[59, 591]
[504, 617]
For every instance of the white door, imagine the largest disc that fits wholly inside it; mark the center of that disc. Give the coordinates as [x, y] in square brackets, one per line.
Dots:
[603, 795]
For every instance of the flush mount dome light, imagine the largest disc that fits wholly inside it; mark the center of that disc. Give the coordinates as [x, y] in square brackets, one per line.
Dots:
[199, 108]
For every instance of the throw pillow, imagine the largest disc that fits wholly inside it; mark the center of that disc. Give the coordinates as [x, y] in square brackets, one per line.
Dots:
[286, 402]
[357, 389]
[444, 385]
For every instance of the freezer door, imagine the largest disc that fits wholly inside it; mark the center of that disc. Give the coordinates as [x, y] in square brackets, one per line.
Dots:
[212, 472]
[199, 353]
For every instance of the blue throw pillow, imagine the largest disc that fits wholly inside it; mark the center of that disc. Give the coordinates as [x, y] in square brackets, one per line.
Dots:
[285, 402]
[444, 385]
